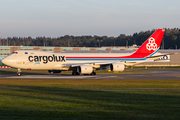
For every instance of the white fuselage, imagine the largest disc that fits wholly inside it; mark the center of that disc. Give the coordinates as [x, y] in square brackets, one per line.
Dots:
[41, 60]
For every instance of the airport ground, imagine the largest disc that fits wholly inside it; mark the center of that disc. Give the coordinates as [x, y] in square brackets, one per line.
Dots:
[91, 98]
[137, 73]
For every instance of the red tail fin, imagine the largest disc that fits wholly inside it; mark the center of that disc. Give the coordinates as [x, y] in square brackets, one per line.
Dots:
[150, 46]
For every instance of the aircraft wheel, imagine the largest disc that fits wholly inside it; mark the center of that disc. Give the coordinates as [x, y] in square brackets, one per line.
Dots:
[93, 73]
[86, 74]
[19, 74]
[75, 73]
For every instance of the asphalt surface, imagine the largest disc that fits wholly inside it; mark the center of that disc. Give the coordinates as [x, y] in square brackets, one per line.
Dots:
[159, 74]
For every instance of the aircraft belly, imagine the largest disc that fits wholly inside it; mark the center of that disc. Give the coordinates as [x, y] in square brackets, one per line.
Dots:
[46, 66]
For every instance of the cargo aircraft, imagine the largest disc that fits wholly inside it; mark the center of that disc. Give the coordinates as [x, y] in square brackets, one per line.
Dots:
[84, 63]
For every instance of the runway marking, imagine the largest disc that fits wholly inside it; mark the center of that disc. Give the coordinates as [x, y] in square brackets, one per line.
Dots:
[112, 76]
[105, 77]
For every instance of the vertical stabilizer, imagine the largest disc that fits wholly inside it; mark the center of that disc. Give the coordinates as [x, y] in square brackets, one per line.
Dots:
[150, 46]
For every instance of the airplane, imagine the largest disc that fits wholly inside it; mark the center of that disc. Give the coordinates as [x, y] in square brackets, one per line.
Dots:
[84, 63]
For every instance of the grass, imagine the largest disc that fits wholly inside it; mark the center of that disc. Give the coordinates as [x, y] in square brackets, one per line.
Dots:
[89, 99]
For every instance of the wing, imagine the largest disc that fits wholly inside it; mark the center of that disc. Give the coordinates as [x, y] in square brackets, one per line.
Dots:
[113, 66]
[97, 65]
[90, 63]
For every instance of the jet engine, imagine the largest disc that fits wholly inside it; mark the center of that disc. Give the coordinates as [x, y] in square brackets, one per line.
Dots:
[85, 69]
[116, 67]
[54, 71]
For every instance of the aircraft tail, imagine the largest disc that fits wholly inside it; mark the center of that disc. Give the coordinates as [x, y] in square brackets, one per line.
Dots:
[150, 46]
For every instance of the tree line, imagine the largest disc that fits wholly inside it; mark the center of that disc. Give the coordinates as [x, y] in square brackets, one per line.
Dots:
[171, 40]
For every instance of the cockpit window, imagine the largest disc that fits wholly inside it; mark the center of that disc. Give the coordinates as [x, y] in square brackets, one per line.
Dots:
[14, 52]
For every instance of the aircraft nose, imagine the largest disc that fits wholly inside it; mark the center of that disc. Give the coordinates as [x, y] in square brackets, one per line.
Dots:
[7, 61]
[4, 61]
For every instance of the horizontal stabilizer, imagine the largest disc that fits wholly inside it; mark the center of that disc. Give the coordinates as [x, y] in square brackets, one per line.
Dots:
[158, 56]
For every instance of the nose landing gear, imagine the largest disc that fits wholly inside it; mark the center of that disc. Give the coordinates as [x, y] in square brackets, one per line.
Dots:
[19, 72]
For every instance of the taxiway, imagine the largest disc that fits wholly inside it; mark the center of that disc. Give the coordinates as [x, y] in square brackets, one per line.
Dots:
[159, 74]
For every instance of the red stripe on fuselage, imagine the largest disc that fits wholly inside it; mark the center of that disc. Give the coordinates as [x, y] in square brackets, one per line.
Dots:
[130, 56]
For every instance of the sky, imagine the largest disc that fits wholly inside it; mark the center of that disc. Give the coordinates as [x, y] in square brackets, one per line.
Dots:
[54, 18]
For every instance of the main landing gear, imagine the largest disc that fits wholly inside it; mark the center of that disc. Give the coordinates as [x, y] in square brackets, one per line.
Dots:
[93, 73]
[76, 73]
[19, 72]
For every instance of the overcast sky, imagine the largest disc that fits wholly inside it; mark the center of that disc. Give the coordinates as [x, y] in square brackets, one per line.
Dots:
[53, 18]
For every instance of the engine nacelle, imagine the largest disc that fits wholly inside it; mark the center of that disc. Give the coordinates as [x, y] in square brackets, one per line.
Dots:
[54, 71]
[116, 67]
[85, 69]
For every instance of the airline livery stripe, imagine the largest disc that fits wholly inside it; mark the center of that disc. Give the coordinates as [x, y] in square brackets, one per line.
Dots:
[154, 53]
[109, 58]
[104, 59]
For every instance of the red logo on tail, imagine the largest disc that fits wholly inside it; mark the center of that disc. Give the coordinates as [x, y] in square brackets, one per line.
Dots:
[151, 45]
